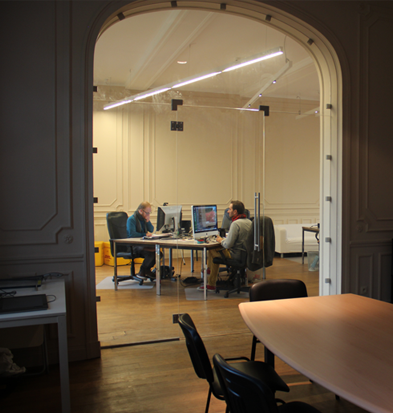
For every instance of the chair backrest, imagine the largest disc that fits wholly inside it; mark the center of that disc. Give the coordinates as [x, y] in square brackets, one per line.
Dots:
[117, 228]
[196, 349]
[243, 393]
[277, 289]
[264, 257]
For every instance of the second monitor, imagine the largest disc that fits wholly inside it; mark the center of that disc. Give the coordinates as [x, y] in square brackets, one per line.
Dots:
[204, 220]
[168, 218]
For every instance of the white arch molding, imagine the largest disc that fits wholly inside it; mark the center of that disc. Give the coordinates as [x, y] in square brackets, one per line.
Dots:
[331, 128]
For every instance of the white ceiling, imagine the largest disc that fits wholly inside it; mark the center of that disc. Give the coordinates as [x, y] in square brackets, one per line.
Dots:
[141, 53]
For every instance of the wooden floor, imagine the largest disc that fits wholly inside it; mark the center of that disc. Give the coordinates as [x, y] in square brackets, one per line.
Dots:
[158, 376]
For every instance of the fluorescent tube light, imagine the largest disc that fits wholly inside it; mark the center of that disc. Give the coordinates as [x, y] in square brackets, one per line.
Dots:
[113, 105]
[248, 109]
[152, 93]
[269, 55]
[256, 58]
[196, 79]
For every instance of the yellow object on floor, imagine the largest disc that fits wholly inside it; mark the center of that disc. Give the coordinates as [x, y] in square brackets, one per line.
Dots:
[99, 253]
[109, 260]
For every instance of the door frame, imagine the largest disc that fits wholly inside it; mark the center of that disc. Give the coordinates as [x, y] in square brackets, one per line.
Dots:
[329, 71]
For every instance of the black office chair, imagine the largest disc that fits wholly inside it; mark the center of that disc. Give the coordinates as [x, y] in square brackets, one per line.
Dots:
[274, 290]
[237, 272]
[203, 369]
[246, 394]
[117, 228]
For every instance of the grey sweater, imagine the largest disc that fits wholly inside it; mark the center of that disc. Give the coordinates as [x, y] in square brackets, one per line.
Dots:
[236, 238]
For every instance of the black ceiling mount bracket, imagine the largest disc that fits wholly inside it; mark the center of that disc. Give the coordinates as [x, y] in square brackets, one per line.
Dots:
[265, 109]
[174, 3]
[268, 18]
[176, 103]
[310, 41]
[121, 16]
[223, 6]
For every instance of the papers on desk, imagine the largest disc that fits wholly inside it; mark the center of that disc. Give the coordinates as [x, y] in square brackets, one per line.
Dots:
[157, 236]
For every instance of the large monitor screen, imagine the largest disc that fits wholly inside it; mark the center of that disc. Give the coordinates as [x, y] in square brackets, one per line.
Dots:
[204, 220]
[168, 218]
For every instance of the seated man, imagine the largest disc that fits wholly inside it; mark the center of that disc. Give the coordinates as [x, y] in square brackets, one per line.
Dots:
[139, 225]
[233, 244]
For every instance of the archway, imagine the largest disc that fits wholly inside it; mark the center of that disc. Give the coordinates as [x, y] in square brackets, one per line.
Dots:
[328, 68]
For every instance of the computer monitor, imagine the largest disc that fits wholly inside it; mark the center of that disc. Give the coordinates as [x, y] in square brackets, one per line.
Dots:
[204, 221]
[168, 218]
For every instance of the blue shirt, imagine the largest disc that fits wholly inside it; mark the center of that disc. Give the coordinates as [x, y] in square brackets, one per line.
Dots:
[131, 228]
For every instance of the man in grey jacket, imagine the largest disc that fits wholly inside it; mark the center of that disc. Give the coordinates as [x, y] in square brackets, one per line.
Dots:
[232, 245]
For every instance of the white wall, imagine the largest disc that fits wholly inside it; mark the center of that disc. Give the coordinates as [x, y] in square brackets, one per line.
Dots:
[218, 157]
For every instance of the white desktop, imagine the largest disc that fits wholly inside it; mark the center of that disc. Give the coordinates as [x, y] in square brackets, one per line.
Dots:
[204, 221]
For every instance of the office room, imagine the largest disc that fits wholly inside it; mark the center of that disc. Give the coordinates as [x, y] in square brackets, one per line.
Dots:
[222, 153]
[299, 158]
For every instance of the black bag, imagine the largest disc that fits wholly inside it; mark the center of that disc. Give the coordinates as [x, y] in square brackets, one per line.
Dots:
[166, 271]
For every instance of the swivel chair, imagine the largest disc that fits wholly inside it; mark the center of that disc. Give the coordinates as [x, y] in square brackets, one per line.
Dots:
[117, 228]
[244, 393]
[203, 369]
[237, 271]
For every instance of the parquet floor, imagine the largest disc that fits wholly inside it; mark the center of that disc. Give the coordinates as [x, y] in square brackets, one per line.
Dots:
[158, 377]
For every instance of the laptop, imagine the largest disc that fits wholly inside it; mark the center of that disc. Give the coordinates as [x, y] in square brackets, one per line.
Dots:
[23, 303]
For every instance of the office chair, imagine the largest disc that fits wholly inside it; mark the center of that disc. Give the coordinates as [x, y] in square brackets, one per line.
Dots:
[274, 290]
[117, 228]
[203, 369]
[237, 271]
[246, 394]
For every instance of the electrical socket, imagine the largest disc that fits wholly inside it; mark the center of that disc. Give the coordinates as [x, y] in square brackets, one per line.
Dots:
[175, 318]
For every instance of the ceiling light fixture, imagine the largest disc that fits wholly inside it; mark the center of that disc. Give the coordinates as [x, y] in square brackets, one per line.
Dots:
[256, 58]
[182, 62]
[151, 93]
[114, 105]
[195, 79]
[267, 55]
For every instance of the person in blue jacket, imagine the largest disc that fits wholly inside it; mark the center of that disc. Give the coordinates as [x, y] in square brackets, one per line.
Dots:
[139, 225]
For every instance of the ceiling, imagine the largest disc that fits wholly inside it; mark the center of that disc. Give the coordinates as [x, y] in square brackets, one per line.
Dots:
[141, 52]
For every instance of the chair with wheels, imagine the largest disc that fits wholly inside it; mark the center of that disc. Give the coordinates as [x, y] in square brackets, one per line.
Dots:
[244, 393]
[274, 290]
[117, 228]
[204, 370]
[237, 272]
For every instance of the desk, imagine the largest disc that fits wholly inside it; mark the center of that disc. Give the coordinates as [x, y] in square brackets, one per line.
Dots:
[310, 229]
[167, 243]
[55, 314]
[343, 342]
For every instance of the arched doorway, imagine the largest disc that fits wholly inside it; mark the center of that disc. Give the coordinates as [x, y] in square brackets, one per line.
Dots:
[331, 128]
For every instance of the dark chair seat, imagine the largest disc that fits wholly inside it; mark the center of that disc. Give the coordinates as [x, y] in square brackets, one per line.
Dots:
[237, 269]
[203, 369]
[245, 393]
